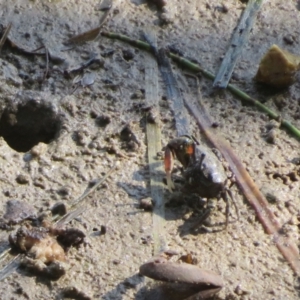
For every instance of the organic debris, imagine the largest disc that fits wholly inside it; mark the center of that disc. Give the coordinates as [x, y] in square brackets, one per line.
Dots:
[190, 280]
[44, 254]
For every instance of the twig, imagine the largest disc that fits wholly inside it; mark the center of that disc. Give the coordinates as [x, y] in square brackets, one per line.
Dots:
[239, 39]
[173, 91]
[93, 59]
[4, 254]
[89, 190]
[257, 200]
[154, 146]
[47, 64]
[4, 36]
[10, 267]
[73, 214]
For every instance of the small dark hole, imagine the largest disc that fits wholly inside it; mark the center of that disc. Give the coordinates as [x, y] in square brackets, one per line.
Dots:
[128, 54]
[27, 123]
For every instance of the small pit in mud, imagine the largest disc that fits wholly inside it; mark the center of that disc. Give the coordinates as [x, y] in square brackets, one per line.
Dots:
[27, 122]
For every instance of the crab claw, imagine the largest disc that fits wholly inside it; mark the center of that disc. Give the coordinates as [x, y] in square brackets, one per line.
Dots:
[169, 164]
[170, 183]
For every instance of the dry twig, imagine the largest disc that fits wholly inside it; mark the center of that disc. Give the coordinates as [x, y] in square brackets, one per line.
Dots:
[239, 39]
[5, 34]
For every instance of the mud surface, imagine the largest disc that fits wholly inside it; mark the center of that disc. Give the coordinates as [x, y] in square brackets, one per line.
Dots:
[78, 127]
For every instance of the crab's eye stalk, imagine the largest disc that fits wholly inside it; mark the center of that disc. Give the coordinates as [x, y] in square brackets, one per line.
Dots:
[190, 149]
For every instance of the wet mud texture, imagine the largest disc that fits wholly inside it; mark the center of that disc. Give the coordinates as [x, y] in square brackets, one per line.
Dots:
[59, 132]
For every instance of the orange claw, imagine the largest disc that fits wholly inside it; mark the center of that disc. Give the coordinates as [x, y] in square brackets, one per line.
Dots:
[169, 164]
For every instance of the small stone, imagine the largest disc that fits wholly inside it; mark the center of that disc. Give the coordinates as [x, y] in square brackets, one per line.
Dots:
[97, 64]
[289, 39]
[71, 237]
[63, 191]
[23, 179]
[271, 198]
[59, 209]
[146, 240]
[75, 293]
[80, 137]
[102, 120]
[146, 204]
[103, 229]
[38, 150]
[9, 74]
[296, 161]
[116, 262]
[93, 114]
[137, 95]
[294, 221]
[88, 79]
[17, 211]
[167, 18]
[240, 290]
[152, 116]
[272, 124]
[40, 182]
[271, 136]
[278, 68]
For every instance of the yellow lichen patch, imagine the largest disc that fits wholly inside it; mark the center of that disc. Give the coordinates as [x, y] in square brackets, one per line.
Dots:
[278, 68]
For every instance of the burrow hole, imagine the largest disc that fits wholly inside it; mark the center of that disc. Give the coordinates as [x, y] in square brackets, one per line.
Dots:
[27, 123]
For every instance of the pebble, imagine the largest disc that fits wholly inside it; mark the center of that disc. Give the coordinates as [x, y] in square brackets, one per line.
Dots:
[38, 150]
[23, 179]
[146, 204]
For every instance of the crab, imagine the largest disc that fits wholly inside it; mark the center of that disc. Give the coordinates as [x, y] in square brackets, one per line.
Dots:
[203, 172]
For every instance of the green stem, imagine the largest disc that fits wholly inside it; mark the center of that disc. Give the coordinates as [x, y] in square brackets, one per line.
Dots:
[196, 68]
[136, 43]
